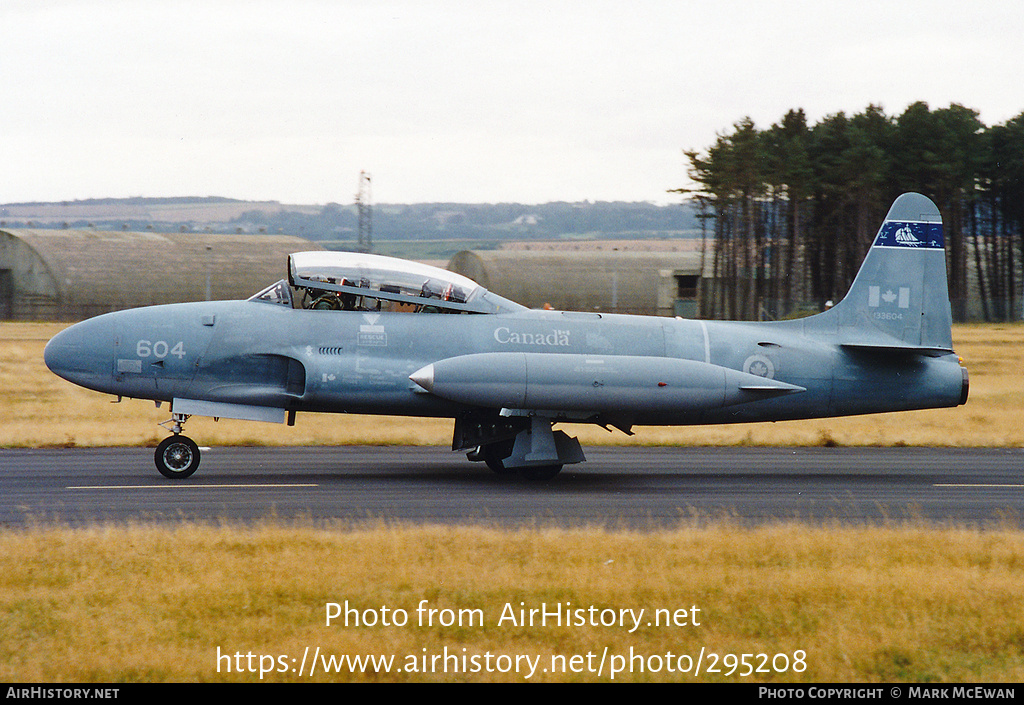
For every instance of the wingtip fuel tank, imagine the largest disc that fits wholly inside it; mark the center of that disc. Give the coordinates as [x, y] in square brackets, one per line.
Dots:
[620, 384]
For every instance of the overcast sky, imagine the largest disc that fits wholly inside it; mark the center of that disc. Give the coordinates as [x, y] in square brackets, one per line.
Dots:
[444, 100]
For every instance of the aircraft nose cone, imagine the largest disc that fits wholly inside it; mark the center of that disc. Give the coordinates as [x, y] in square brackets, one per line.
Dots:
[82, 353]
[63, 352]
[424, 377]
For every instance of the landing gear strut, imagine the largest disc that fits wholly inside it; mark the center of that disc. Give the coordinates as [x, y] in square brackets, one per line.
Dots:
[496, 454]
[177, 457]
[531, 449]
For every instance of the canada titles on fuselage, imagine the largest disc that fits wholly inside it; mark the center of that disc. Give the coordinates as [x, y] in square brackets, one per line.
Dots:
[551, 339]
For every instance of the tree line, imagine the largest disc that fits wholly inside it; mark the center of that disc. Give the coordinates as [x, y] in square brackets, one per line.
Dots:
[790, 211]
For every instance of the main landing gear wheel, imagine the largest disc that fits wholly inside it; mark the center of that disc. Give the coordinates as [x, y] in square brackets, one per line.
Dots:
[177, 457]
[494, 455]
[539, 473]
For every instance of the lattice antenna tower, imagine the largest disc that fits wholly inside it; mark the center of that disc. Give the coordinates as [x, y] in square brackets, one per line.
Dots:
[364, 207]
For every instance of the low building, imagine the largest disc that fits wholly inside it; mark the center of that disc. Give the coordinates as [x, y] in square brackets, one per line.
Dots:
[652, 283]
[74, 274]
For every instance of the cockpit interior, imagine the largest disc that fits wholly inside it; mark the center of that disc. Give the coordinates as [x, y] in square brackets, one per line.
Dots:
[354, 281]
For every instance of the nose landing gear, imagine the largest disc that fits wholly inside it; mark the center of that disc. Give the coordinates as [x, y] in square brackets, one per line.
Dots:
[177, 457]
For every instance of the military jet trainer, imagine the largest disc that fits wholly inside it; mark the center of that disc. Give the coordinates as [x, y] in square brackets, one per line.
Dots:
[365, 334]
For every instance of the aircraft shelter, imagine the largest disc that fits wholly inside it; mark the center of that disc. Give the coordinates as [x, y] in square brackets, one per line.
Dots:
[645, 282]
[68, 275]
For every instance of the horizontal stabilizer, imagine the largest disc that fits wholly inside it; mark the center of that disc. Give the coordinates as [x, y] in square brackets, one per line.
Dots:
[900, 349]
[772, 390]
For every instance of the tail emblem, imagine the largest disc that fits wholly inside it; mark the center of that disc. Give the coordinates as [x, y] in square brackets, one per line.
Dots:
[910, 234]
[906, 236]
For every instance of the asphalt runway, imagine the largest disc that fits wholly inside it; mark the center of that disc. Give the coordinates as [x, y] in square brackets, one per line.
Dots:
[617, 487]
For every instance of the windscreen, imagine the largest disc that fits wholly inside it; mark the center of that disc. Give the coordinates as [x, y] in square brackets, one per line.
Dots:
[381, 279]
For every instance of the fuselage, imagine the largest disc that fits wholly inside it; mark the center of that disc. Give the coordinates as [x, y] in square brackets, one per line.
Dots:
[260, 354]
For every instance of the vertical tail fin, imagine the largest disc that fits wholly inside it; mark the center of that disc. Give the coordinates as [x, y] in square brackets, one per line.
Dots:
[900, 298]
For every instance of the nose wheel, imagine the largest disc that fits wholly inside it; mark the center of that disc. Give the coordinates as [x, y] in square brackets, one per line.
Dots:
[177, 457]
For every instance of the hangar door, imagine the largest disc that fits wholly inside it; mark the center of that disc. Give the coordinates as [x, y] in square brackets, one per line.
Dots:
[6, 294]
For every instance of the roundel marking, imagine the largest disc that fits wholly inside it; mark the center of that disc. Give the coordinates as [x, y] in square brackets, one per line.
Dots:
[760, 366]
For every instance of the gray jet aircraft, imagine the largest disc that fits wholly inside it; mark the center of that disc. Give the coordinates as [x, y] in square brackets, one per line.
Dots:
[359, 333]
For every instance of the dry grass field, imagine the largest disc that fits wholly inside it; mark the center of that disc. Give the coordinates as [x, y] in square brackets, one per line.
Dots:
[40, 409]
[138, 603]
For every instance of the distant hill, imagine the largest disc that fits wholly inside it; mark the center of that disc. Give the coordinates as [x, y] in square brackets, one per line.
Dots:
[338, 223]
[136, 201]
[162, 214]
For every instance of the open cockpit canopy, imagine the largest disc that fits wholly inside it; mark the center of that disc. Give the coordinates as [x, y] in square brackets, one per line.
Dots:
[354, 281]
